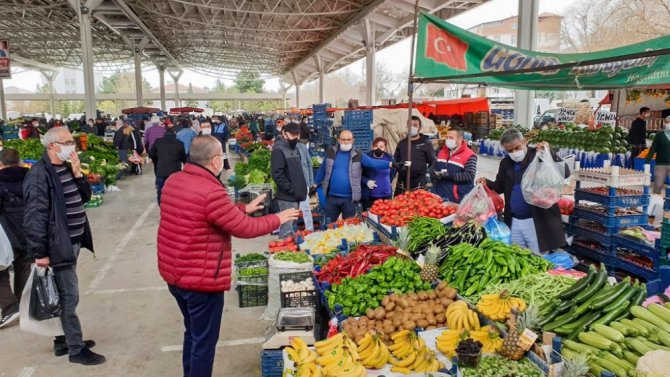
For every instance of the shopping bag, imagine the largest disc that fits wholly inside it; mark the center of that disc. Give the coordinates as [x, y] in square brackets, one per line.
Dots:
[498, 201]
[542, 183]
[476, 205]
[44, 300]
[6, 252]
[498, 230]
[50, 327]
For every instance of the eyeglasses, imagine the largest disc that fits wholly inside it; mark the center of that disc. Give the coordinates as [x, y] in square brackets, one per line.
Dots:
[67, 143]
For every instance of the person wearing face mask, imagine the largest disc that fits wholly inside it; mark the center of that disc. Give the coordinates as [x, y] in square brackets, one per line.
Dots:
[535, 228]
[455, 169]
[637, 136]
[279, 124]
[286, 170]
[153, 133]
[340, 176]
[376, 184]
[423, 156]
[90, 127]
[661, 148]
[187, 134]
[54, 193]
[196, 264]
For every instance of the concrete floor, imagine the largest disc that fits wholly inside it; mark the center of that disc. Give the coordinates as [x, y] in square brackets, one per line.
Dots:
[126, 308]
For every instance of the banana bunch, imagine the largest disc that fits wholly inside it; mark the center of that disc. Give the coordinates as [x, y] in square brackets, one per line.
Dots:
[489, 338]
[338, 357]
[448, 340]
[459, 317]
[304, 359]
[411, 354]
[498, 306]
[308, 370]
[374, 353]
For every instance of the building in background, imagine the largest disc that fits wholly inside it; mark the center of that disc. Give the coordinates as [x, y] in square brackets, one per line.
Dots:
[505, 31]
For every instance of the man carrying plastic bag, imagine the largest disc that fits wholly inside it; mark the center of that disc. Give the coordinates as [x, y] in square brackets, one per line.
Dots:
[536, 228]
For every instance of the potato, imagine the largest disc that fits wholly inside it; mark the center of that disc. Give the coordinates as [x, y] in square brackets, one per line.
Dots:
[431, 320]
[417, 309]
[370, 313]
[432, 295]
[422, 323]
[446, 302]
[451, 293]
[405, 317]
[416, 317]
[409, 325]
[385, 300]
[423, 296]
[427, 310]
[358, 338]
[390, 306]
[440, 318]
[388, 329]
[437, 309]
[363, 321]
[413, 296]
[442, 286]
[393, 297]
[403, 303]
[387, 322]
[380, 313]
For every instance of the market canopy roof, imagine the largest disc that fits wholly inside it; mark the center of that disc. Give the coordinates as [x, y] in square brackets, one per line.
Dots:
[446, 53]
[218, 37]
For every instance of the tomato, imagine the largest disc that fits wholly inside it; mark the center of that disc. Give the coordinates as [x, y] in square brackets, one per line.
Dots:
[288, 239]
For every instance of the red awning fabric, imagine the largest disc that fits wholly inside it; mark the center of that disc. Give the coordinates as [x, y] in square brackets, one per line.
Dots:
[456, 106]
[607, 100]
[179, 110]
[141, 110]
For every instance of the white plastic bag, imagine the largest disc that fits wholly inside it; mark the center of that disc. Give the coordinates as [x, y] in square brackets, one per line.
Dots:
[542, 182]
[6, 252]
[50, 327]
[277, 268]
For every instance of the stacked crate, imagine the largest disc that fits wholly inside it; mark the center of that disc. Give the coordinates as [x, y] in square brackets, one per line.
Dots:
[359, 122]
[323, 126]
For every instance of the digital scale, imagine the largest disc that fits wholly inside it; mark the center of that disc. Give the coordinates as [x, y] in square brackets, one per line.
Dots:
[291, 323]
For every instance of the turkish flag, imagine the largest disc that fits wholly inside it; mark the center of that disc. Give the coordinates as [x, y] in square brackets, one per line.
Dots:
[445, 48]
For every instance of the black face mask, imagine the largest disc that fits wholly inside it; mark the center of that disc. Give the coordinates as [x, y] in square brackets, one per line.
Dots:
[378, 152]
[293, 143]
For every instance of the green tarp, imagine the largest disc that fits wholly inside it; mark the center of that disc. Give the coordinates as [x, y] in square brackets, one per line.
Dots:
[446, 53]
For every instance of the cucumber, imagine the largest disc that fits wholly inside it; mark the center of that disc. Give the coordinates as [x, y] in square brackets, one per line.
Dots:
[548, 309]
[641, 295]
[653, 345]
[596, 340]
[623, 363]
[612, 316]
[561, 320]
[594, 287]
[604, 299]
[651, 328]
[638, 346]
[583, 322]
[585, 306]
[640, 329]
[617, 304]
[626, 330]
[578, 286]
[666, 305]
[631, 357]
[564, 306]
[663, 337]
[621, 299]
[549, 318]
[581, 347]
[608, 332]
[660, 312]
[642, 313]
[612, 367]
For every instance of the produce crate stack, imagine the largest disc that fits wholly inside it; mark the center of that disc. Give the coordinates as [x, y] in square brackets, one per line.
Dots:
[252, 280]
[10, 132]
[359, 122]
[597, 228]
[323, 126]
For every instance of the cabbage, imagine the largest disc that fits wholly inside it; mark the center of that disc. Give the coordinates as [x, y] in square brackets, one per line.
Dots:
[654, 364]
[257, 177]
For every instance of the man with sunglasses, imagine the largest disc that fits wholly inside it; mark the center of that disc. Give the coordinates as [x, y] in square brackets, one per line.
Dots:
[56, 225]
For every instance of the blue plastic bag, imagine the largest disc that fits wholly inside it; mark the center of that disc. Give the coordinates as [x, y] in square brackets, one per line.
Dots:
[560, 259]
[498, 230]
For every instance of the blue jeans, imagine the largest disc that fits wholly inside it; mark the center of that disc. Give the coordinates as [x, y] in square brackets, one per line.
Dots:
[286, 229]
[160, 182]
[202, 320]
[336, 206]
[525, 235]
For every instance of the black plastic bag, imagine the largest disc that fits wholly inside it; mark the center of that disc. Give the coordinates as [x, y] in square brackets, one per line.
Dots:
[44, 300]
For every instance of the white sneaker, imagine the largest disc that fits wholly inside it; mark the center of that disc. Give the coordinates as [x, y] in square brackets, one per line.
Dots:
[9, 318]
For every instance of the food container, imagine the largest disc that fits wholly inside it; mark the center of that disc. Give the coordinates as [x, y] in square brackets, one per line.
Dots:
[466, 360]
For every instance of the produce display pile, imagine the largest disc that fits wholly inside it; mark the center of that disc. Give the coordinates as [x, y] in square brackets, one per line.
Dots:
[470, 269]
[256, 171]
[363, 292]
[536, 289]
[470, 233]
[329, 240]
[607, 139]
[289, 256]
[496, 366]
[287, 244]
[403, 208]
[355, 263]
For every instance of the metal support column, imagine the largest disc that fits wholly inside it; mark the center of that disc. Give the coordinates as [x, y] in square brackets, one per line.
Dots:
[527, 39]
[321, 69]
[139, 96]
[368, 34]
[50, 76]
[283, 95]
[161, 77]
[3, 104]
[175, 78]
[297, 90]
[84, 14]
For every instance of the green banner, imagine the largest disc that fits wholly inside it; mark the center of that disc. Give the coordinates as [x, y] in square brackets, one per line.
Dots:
[446, 53]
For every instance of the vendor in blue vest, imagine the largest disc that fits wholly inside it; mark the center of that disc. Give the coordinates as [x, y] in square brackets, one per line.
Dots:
[340, 176]
[377, 183]
[455, 169]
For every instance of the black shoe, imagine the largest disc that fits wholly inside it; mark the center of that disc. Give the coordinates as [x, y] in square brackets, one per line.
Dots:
[87, 357]
[9, 318]
[60, 348]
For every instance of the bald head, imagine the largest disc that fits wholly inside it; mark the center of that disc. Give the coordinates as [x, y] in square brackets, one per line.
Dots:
[204, 148]
[346, 137]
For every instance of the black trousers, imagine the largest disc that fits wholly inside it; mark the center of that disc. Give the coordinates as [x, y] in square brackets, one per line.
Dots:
[9, 300]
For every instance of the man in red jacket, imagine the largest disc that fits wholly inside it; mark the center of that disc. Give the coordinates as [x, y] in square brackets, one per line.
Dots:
[196, 263]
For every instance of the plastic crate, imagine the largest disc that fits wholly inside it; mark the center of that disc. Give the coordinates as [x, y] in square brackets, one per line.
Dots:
[665, 234]
[613, 201]
[98, 189]
[604, 177]
[258, 263]
[599, 256]
[252, 295]
[636, 270]
[272, 363]
[637, 247]
[605, 239]
[358, 114]
[299, 299]
[611, 221]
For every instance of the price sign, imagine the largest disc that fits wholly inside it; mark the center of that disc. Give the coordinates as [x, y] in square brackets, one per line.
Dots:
[606, 117]
[566, 115]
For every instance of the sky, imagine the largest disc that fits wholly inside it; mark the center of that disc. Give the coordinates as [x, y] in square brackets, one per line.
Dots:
[395, 58]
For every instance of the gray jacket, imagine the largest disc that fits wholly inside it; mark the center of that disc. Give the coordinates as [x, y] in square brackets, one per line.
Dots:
[306, 162]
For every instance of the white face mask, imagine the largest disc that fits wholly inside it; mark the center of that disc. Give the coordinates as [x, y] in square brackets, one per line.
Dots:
[667, 126]
[414, 132]
[346, 147]
[518, 156]
[206, 131]
[65, 152]
[451, 144]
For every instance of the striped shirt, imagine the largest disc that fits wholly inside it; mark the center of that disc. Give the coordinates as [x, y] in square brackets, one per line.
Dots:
[76, 215]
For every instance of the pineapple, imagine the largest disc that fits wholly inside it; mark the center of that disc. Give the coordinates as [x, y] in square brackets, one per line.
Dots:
[403, 241]
[430, 269]
[576, 366]
[517, 324]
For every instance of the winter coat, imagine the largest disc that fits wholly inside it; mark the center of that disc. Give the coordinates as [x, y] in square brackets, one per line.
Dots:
[383, 178]
[461, 167]
[423, 155]
[199, 259]
[168, 154]
[306, 162]
[11, 204]
[152, 135]
[548, 222]
[286, 170]
[131, 141]
[45, 215]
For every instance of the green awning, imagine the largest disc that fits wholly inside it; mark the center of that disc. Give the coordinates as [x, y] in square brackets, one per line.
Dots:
[446, 53]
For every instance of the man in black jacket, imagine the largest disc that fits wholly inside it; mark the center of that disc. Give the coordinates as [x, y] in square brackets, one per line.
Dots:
[637, 136]
[54, 193]
[423, 156]
[287, 173]
[169, 154]
[11, 218]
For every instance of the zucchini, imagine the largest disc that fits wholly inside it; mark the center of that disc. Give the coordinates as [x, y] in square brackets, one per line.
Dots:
[585, 306]
[548, 319]
[578, 286]
[638, 346]
[624, 297]
[581, 347]
[625, 330]
[603, 299]
[647, 325]
[583, 322]
[640, 329]
[612, 316]
[596, 340]
[631, 357]
[594, 287]
[564, 306]
[567, 353]
[660, 312]
[666, 305]
[548, 308]
[612, 367]
[642, 313]
[617, 304]
[596, 369]
[561, 320]
[608, 332]
[623, 363]
[663, 337]
[641, 295]
[653, 345]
